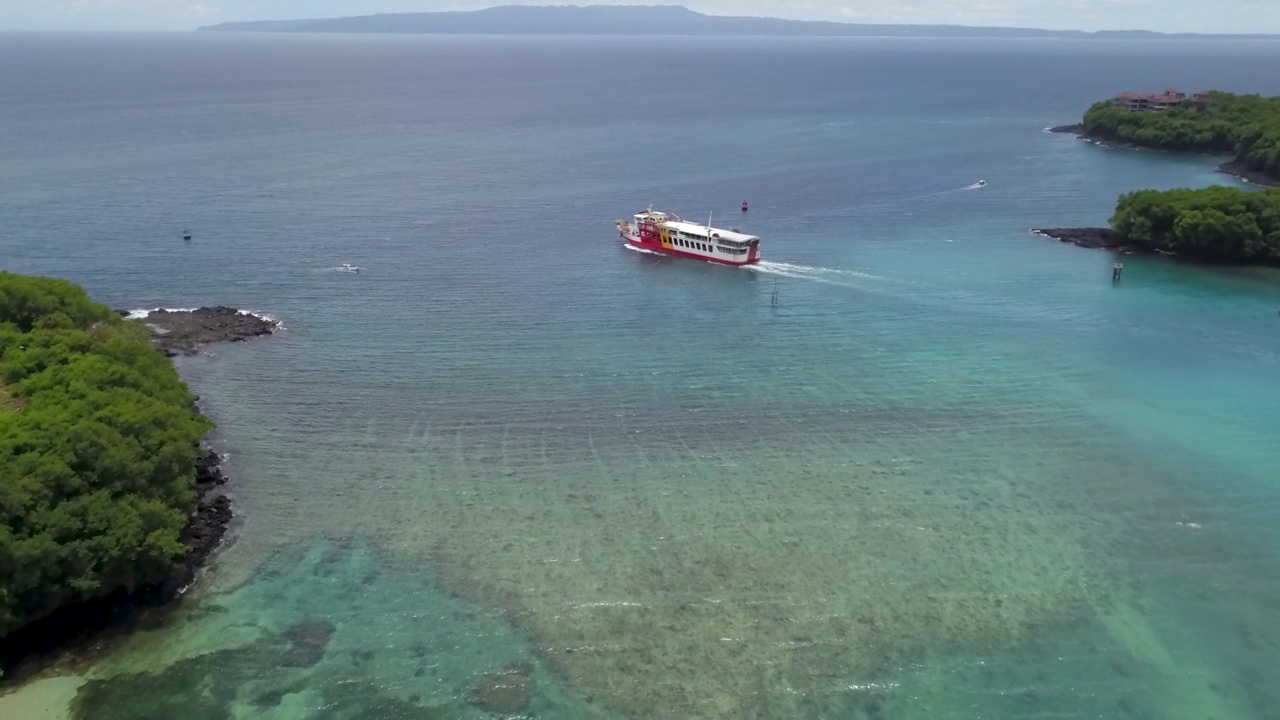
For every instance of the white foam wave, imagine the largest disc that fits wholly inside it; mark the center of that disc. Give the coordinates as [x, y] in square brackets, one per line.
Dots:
[865, 687]
[832, 276]
[263, 316]
[142, 313]
[645, 251]
[842, 282]
[809, 271]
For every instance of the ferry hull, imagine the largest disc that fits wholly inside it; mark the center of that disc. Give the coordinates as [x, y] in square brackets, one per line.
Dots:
[751, 259]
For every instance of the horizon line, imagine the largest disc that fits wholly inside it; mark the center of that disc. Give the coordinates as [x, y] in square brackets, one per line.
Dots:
[1081, 34]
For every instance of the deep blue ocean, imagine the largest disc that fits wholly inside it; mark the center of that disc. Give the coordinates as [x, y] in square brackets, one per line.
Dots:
[516, 469]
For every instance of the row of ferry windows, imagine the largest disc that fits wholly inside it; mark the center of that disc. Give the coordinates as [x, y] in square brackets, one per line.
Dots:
[707, 248]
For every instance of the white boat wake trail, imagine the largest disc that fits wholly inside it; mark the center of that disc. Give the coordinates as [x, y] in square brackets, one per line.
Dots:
[897, 201]
[833, 276]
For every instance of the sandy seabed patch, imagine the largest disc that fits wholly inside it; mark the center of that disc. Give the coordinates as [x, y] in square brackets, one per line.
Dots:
[46, 699]
[695, 584]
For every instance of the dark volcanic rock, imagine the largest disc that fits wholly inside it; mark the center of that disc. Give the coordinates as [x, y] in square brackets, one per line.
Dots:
[205, 527]
[1085, 237]
[182, 332]
[204, 531]
[1079, 131]
[1076, 129]
[1108, 239]
[209, 470]
[1113, 144]
[1241, 170]
[505, 692]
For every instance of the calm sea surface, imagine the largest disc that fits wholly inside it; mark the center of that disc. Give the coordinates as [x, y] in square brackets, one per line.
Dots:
[514, 468]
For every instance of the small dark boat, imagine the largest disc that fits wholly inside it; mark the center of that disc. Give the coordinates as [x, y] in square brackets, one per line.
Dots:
[744, 206]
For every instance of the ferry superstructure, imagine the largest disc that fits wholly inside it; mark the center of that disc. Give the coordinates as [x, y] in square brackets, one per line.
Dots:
[668, 234]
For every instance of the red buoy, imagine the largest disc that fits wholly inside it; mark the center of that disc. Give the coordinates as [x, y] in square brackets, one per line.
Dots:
[744, 206]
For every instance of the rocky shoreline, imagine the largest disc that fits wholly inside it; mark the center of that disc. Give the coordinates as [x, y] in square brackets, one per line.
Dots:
[182, 332]
[78, 629]
[1075, 129]
[75, 630]
[1094, 237]
[1234, 168]
[1098, 238]
[1237, 170]
[1081, 134]
[206, 527]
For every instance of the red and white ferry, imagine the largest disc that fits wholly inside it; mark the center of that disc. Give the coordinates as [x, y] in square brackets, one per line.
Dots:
[660, 232]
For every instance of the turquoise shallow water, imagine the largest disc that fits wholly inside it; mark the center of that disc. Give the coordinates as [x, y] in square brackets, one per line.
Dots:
[956, 472]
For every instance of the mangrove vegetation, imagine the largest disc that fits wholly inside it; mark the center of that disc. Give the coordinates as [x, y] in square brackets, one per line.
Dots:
[98, 450]
[1213, 224]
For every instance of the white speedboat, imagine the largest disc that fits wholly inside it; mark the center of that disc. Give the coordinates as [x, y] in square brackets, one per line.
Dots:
[980, 183]
[348, 267]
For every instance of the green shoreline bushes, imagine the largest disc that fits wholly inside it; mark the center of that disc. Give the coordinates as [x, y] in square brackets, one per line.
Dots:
[97, 452]
[1216, 224]
[1247, 125]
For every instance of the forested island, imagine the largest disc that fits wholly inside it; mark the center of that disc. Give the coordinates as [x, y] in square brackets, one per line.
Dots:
[107, 496]
[1246, 127]
[1214, 224]
[651, 20]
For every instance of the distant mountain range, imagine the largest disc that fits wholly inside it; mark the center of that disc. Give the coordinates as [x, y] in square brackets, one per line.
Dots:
[650, 20]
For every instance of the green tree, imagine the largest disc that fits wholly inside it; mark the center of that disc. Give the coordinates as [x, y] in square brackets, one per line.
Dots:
[1246, 125]
[1216, 223]
[97, 461]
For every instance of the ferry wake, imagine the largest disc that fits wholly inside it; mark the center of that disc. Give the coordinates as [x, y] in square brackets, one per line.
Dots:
[668, 234]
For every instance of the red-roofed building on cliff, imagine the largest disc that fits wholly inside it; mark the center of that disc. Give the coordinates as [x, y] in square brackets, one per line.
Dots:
[1157, 101]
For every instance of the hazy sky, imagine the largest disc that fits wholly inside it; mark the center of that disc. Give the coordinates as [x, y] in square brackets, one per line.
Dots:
[1165, 15]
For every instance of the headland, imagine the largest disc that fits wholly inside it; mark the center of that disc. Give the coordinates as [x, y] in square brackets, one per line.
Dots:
[162, 530]
[1244, 128]
[1214, 224]
[1090, 237]
[183, 332]
[1209, 225]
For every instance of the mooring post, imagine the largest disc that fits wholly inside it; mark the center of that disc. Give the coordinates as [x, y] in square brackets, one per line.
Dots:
[1116, 269]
